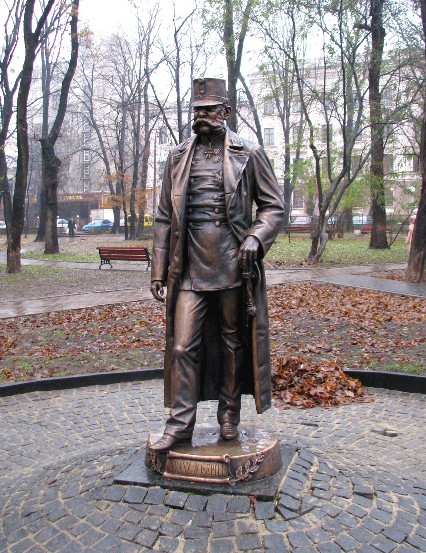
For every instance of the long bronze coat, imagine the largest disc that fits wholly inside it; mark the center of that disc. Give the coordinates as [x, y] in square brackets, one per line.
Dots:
[248, 177]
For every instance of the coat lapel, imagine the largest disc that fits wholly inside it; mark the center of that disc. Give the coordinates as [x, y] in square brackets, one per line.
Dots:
[234, 162]
[181, 165]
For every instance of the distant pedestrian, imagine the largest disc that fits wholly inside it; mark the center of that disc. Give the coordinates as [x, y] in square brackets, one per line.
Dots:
[410, 230]
[71, 228]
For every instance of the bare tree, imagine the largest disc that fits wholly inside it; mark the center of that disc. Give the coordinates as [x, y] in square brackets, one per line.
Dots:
[416, 270]
[51, 162]
[378, 238]
[8, 90]
[31, 41]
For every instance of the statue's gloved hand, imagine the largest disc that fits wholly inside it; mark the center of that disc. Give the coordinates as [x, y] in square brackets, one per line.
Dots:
[248, 253]
[157, 290]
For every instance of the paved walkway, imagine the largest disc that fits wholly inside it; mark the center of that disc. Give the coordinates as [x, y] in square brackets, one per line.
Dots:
[356, 276]
[356, 484]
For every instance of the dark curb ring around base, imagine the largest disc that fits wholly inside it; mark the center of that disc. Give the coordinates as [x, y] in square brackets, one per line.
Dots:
[412, 383]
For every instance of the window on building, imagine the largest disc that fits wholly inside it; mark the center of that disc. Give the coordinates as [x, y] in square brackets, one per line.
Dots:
[388, 164]
[269, 107]
[162, 135]
[389, 199]
[86, 138]
[161, 166]
[86, 123]
[86, 155]
[295, 106]
[412, 163]
[296, 129]
[268, 137]
[298, 202]
[86, 171]
[324, 133]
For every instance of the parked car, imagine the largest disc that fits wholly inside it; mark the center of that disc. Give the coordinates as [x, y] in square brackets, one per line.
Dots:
[97, 224]
[2, 224]
[62, 225]
[361, 219]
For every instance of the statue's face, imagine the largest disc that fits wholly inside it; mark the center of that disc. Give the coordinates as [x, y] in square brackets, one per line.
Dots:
[210, 119]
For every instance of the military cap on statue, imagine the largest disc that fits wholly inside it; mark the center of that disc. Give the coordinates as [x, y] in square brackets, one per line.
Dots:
[209, 92]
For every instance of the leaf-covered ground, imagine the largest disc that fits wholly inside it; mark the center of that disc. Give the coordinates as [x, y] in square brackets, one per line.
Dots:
[351, 328]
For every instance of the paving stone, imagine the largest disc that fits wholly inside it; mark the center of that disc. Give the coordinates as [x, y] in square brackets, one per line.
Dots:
[264, 510]
[166, 544]
[347, 520]
[247, 527]
[223, 517]
[329, 547]
[347, 542]
[223, 529]
[181, 517]
[238, 504]
[155, 496]
[222, 546]
[298, 539]
[276, 526]
[318, 535]
[146, 538]
[170, 529]
[196, 503]
[276, 542]
[397, 532]
[114, 493]
[195, 546]
[156, 510]
[217, 504]
[383, 544]
[22, 546]
[151, 522]
[176, 499]
[289, 503]
[286, 514]
[203, 519]
[135, 494]
[418, 542]
[194, 531]
[248, 541]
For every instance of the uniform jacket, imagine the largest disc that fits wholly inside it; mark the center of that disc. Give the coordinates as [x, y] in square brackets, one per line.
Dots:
[248, 177]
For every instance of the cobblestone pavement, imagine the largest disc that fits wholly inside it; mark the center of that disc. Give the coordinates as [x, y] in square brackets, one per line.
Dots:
[356, 483]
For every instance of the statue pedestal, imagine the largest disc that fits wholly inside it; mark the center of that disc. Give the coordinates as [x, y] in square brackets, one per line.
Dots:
[208, 459]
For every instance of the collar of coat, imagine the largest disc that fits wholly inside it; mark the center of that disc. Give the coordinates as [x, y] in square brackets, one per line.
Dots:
[235, 158]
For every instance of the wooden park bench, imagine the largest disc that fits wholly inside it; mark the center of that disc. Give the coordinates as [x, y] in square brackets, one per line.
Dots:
[297, 228]
[118, 253]
[331, 230]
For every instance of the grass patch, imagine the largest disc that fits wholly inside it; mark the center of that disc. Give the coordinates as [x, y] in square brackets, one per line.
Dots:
[350, 250]
[83, 250]
[29, 273]
[392, 366]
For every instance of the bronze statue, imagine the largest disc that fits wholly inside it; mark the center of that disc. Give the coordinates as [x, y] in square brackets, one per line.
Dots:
[208, 249]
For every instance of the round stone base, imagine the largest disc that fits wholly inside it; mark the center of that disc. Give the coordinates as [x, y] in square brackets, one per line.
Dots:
[255, 455]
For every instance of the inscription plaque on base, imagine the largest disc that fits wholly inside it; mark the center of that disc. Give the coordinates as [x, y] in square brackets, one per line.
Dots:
[255, 455]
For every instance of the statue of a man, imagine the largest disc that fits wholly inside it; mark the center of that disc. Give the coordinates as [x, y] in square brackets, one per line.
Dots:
[208, 249]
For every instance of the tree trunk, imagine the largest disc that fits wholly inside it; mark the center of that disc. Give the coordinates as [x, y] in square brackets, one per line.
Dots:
[5, 191]
[41, 231]
[378, 238]
[416, 269]
[51, 166]
[51, 162]
[31, 41]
